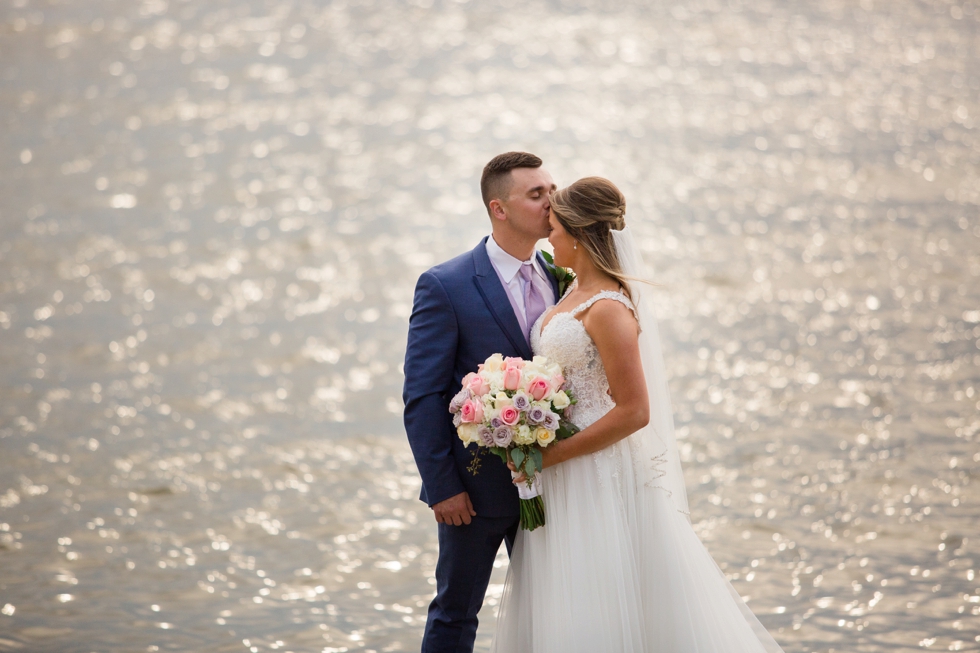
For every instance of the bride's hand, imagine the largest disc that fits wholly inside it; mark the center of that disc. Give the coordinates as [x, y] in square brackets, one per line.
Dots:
[520, 478]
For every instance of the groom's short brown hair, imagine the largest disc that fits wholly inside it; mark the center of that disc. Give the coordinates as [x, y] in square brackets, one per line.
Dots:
[495, 182]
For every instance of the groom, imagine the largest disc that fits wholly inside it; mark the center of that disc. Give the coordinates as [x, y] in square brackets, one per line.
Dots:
[478, 304]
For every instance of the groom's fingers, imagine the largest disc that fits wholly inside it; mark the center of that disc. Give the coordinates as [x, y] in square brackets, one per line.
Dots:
[467, 513]
[456, 518]
[455, 510]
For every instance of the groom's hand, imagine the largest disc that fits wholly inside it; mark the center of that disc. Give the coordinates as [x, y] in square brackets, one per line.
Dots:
[455, 510]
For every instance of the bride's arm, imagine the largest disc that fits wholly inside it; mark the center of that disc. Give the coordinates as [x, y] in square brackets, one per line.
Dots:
[615, 333]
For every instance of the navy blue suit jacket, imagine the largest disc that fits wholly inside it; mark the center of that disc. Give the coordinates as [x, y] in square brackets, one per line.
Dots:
[460, 317]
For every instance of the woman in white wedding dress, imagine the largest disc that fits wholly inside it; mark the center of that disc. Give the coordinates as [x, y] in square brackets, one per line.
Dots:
[617, 567]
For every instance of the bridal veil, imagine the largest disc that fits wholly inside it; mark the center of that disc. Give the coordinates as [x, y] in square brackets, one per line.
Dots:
[660, 459]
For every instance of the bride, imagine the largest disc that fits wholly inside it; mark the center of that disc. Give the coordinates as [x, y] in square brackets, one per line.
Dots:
[617, 567]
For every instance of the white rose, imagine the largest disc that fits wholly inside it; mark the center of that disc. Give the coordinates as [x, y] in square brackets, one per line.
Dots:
[560, 400]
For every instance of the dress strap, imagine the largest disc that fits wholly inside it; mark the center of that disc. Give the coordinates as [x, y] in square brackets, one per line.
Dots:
[607, 294]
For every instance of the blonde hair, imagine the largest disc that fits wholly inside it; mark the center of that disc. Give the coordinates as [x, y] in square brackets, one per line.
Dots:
[588, 210]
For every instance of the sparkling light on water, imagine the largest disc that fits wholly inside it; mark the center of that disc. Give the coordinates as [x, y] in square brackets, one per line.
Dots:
[213, 214]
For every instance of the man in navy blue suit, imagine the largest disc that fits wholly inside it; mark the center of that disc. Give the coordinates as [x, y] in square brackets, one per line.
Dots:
[478, 304]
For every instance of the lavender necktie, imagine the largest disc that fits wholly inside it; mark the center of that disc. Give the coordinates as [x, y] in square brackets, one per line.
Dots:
[533, 299]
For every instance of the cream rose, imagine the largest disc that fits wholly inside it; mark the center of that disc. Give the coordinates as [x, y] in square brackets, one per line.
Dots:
[502, 400]
[543, 436]
[494, 364]
[468, 433]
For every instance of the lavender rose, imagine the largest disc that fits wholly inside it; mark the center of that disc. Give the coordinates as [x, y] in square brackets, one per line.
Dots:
[457, 420]
[550, 421]
[457, 402]
[496, 423]
[521, 401]
[486, 435]
[503, 436]
[536, 415]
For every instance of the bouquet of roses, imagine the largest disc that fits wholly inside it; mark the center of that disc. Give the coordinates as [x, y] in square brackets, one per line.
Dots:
[514, 408]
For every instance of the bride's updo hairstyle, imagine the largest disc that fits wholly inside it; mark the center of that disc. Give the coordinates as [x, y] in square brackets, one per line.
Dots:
[588, 210]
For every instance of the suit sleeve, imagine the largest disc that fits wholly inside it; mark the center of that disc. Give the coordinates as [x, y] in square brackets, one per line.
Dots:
[430, 356]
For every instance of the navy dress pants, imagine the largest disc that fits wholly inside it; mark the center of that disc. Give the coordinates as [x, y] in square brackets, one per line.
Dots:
[466, 555]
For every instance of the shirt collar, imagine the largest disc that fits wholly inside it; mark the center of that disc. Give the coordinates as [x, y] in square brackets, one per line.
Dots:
[507, 265]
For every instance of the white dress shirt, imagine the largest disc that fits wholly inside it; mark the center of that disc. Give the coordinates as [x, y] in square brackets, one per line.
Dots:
[507, 268]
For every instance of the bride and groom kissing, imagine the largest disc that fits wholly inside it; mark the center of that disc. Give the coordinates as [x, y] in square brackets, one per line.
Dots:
[618, 566]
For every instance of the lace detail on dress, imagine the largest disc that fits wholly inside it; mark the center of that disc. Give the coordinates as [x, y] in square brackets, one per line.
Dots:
[566, 342]
[607, 294]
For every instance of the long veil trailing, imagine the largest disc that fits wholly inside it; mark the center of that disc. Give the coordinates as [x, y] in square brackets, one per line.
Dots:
[660, 457]
[687, 568]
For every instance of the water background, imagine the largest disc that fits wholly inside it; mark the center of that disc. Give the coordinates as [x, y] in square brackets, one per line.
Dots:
[213, 213]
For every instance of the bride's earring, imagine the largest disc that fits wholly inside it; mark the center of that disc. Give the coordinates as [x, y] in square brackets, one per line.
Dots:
[575, 245]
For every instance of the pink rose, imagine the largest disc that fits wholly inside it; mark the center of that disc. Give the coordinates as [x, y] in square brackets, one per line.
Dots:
[512, 378]
[509, 415]
[471, 412]
[477, 385]
[514, 362]
[557, 381]
[539, 388]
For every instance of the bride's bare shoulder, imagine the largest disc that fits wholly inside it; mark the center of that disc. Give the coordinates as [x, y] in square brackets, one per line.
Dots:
[611, 315]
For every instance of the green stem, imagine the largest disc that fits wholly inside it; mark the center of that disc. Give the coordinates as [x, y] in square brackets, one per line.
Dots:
[532, 513]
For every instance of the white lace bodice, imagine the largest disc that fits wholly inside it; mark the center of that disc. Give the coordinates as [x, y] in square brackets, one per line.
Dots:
[566, 342]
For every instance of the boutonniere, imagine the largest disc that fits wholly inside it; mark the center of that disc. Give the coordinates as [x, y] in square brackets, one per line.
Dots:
[564, 276]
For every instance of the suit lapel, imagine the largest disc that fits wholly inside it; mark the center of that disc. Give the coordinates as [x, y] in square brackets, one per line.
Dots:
[493, 293]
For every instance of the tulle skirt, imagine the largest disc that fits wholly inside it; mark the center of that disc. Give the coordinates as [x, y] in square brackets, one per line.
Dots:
[618, 568]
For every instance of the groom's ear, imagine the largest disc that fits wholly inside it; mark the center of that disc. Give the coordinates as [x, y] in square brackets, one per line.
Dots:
[497, 210]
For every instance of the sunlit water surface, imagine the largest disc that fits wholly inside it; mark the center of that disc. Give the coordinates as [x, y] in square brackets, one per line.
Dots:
[213, 214]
